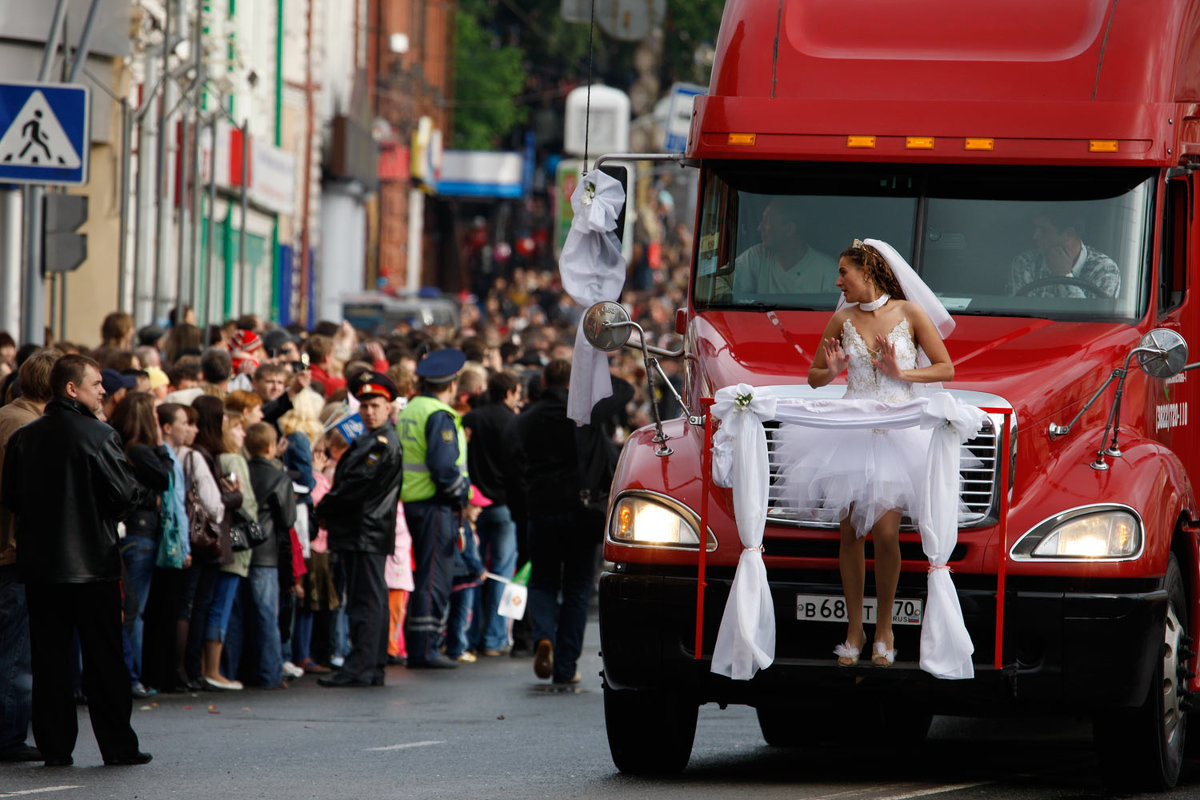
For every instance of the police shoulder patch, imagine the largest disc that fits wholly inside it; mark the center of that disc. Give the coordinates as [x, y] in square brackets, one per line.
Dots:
[447, 436]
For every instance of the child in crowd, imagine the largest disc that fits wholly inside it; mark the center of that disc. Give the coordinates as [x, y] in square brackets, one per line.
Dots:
[400, 583]
[468, 576]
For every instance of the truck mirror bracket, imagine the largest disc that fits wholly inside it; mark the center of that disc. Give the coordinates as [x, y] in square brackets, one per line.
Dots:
[1162, 353]
[606, 326]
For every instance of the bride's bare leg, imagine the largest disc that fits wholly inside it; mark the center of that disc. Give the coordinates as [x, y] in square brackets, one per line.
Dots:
[886, 538]
[852, 561]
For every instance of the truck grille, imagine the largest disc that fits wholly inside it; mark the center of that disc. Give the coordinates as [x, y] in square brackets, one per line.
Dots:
[978, 478]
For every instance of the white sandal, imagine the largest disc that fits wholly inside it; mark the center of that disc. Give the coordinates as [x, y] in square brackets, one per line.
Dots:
[883, 656]
[847, 654]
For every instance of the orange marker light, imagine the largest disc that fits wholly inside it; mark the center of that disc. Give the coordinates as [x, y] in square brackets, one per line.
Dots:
[918, 142]
[1102, 146]
[979, 144]
[860, 141]
[743, 139]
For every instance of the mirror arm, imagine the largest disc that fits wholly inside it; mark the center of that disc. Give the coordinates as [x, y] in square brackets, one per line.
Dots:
[677, 157]
[1062, 430]
[1114, 417]
[658, 368]
[660, 436]
[658, 351]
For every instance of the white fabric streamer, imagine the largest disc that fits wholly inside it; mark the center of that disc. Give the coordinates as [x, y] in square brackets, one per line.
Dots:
[592, 269]
[946, 646]
[746, 638]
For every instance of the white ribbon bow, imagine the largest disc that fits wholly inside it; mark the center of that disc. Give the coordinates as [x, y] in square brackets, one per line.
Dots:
[592, 270]
[746, 639]
[946, 645]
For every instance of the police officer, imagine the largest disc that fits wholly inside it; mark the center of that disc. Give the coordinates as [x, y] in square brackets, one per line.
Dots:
[360, 514]
[435, 489]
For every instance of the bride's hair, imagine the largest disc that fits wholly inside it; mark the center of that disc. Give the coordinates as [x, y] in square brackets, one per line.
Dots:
[877, 269]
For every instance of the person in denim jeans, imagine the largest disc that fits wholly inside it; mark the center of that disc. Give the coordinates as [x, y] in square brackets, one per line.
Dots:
[271, 561]
[565, 534]
[16, 675]
[489, 464]
[136, 422]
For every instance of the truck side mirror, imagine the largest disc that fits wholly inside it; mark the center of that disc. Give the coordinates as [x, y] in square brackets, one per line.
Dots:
[606, 326]
[1162, 353]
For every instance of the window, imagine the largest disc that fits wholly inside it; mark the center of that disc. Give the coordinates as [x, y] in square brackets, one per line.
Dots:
[1011, 241]
[1176, 218]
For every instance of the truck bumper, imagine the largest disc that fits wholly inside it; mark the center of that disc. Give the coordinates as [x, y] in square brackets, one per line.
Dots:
[1064, 650]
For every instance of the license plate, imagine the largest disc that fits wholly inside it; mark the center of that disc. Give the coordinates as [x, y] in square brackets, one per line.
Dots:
[824, 608]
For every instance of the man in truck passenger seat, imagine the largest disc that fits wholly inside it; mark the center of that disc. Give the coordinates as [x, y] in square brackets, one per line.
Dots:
[782, 263]
[1061, 264]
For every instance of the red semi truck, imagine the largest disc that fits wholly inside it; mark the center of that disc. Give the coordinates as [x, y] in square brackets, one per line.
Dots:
[976, 139]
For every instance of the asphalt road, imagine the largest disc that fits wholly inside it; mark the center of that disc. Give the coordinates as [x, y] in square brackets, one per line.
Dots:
[491, 730]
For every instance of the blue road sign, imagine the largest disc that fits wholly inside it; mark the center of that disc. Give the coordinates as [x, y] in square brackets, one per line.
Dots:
[679, 116]
[44, 133]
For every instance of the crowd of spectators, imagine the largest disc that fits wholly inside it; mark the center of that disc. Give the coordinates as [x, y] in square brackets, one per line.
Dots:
[244, 422]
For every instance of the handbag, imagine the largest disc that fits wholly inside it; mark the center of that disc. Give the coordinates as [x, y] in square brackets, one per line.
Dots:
[170, 543]
[204, 534]
[244, 532]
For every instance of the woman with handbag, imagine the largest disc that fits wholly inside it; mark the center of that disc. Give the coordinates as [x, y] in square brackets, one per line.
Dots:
[204, 504]
[220, 435]
[135, 421]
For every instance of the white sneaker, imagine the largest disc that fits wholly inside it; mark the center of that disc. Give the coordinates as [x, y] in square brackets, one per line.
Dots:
[223, 685]
[337, 662]
[290, 670]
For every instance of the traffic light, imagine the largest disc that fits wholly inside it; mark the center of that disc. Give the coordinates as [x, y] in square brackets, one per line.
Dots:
[63, 250]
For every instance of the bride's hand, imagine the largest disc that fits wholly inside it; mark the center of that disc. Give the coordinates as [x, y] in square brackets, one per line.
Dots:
[835, 358]
[885, 361]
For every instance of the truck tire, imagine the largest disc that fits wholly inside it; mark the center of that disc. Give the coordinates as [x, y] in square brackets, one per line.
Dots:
[789, 727]
[649, 733]
[1141, 749]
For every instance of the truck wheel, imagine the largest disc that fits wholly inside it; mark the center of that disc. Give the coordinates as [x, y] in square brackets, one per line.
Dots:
[649, 732]
[789, 727]
[904, 720]
[1142, 748]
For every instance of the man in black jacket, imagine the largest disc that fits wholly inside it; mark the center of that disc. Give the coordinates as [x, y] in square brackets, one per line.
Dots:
[359, 512]
[566, 517]
[67, 482]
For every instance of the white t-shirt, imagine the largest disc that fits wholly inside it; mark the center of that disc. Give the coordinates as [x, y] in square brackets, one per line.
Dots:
[758, 271]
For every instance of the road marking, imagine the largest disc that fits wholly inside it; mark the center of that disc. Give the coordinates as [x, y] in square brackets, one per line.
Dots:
[906, 795]
[42, 790]
[933, 791]
[403, 746]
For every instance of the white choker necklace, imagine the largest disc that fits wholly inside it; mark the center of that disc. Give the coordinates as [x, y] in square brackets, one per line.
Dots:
[875, 304]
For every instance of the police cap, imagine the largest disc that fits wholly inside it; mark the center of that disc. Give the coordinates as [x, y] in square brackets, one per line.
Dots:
[369, 384]
[441, 366]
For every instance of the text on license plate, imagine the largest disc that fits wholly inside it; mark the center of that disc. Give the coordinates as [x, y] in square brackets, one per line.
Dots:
[825, 608]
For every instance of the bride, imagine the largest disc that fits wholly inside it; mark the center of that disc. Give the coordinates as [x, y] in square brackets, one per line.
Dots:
[869, 478]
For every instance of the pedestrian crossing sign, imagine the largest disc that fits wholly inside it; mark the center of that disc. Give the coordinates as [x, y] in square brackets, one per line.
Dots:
[44, 133]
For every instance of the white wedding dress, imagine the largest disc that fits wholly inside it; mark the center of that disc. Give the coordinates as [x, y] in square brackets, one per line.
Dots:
[829, 475]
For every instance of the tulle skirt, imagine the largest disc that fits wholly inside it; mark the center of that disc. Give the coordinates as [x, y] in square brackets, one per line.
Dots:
[829, 475]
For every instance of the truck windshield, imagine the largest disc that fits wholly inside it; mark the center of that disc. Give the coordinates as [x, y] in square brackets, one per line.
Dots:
[1061, 243]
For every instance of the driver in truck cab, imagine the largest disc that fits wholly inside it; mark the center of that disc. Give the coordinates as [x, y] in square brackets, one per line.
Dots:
[1061, 265]
[782, 262]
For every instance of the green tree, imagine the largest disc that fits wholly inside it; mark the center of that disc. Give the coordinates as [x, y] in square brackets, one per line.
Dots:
[488, 78]
[689, 23]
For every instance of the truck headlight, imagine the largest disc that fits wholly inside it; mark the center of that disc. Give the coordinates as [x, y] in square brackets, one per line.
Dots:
[1084, 534]
[654, 521]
